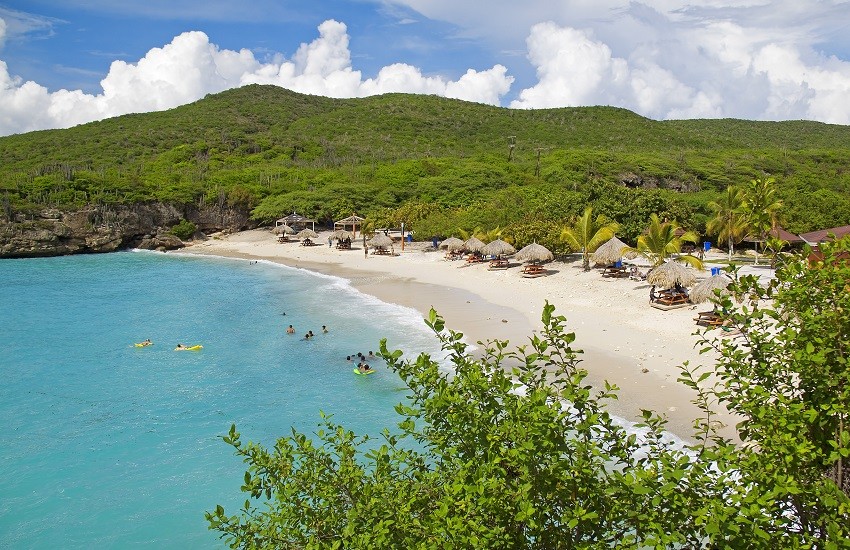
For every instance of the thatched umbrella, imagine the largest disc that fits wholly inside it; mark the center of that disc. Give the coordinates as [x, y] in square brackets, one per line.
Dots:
[306, 234]
[380, 241]
[341, 235]
[498, 248]
[283, 229]
[452, 244]
[703, 291]
[473, 244]
[534, 253]
[609, 252]
[668, 274]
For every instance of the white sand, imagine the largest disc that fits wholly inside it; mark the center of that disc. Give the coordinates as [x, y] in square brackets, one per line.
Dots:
[620, 334]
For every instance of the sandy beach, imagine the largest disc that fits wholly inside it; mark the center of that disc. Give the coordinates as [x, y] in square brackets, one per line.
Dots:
[625, 341]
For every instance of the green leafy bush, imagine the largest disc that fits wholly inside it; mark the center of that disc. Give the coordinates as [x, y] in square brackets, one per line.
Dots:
[184, 230]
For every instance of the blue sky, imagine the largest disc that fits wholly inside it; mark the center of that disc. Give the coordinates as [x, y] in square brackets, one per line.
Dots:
[73, 61]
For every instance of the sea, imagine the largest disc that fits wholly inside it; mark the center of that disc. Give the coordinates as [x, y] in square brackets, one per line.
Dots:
[108, 445]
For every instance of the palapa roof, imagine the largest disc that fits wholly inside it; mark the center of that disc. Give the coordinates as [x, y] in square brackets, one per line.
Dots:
[703, 291]
[609, 252]
[380, 241]
[498, 248]
[283, 229]
[351, 220]
[474, 244]
[295, 219]
[534, 253]
[341, 235]
[669, 273]
[451, 244]
[306, 234]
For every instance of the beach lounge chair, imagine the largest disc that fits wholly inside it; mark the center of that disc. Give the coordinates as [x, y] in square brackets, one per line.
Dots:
[708, 319]
[474, 259]
[498, 263]
[533, 270]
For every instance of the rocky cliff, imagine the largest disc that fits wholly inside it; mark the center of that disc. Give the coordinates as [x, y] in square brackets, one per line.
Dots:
[108, 228]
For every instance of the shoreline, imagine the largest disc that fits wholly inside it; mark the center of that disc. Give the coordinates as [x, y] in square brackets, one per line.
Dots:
[624, 341]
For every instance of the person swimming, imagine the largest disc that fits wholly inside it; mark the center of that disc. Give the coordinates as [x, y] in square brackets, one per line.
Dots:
[290, 330]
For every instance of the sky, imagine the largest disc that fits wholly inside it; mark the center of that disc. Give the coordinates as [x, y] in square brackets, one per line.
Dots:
[67, 62]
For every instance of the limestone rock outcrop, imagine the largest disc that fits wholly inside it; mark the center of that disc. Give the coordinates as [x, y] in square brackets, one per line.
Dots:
[107, 228]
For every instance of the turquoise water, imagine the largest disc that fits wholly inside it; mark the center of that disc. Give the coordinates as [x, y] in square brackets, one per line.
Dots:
[108, 446]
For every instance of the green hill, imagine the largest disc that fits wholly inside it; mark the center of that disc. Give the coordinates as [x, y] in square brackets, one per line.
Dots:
[437, 163]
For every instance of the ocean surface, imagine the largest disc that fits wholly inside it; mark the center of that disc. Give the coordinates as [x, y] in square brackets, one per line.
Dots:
[106, 445]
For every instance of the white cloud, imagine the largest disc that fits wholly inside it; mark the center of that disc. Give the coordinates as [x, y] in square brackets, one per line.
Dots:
[190, 67]
[2, 32]
[693, 71]
[669, 59]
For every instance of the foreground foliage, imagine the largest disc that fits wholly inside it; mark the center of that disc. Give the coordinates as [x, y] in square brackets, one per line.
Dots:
[529, 457]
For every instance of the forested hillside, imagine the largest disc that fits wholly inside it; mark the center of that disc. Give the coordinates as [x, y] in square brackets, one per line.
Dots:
[438, 164]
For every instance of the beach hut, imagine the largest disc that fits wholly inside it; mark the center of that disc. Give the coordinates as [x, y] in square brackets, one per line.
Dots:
[703, 291]
[609, 252]
[296, 221]
[498, 248]
[283, 229]
[353, 221]
[824, 235]
[380, 243]
[306, 235]
[534, 253]
[341, 235]
[452, 244]
[668, 274]
[473, 244]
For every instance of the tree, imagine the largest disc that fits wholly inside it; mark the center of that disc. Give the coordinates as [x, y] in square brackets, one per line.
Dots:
[729, 222]
[660, 241]
[761, 208]
[775, 244]
[587, 234]
[786, 375]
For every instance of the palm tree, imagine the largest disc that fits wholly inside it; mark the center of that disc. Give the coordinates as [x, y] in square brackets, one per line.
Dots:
[660, 242]
[587, 234]
[480, 233]
[761, 208]
[729, 222]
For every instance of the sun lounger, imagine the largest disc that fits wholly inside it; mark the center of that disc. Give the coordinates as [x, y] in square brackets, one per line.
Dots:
[615, 272]
[498, 263]
[532, 271]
